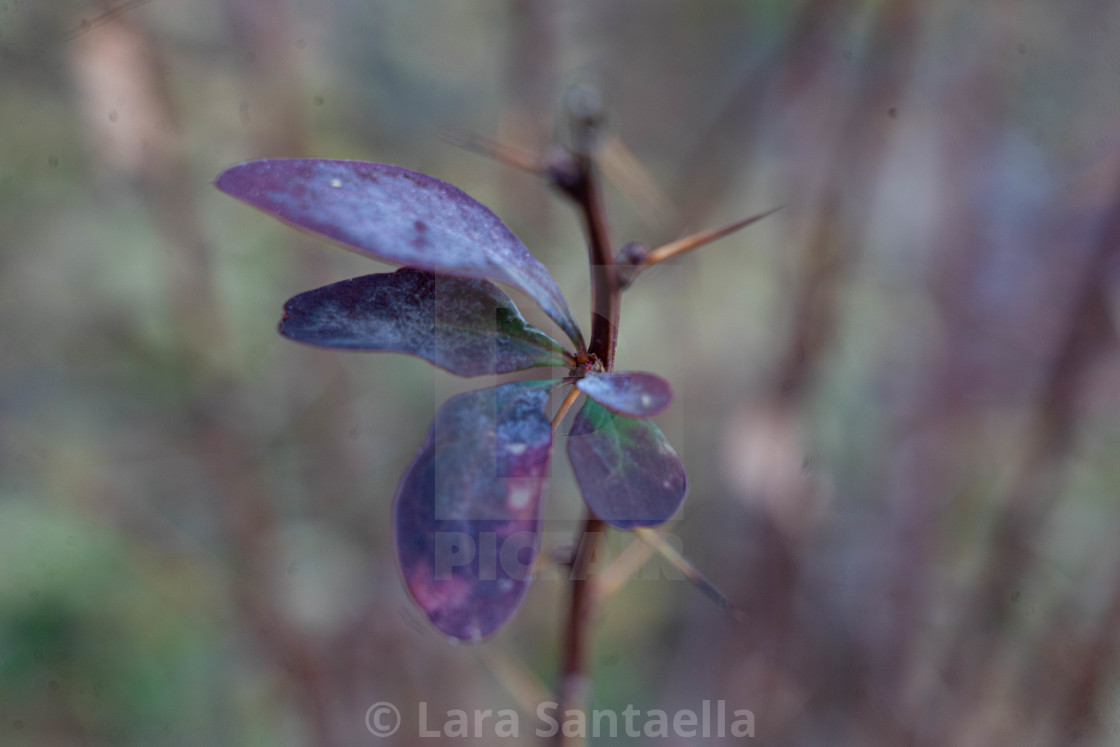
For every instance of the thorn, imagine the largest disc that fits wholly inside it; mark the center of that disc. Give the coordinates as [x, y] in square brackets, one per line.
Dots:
[519, 682]
[566, 405]
[697, 240]
[622, 568]
[626, 172]
[104, 18]
[511, 155]
[697, 579]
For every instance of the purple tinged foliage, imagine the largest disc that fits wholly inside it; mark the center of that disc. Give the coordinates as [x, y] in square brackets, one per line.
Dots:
[633, 393]
[467, 510]
[627, 471]
[398, 216]
[466, 326]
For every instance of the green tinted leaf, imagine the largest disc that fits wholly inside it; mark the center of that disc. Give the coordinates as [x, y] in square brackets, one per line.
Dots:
[627, 471]
[466, 326]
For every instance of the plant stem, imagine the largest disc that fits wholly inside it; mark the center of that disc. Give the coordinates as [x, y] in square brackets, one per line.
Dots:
[583, 189]
[575, 679]
[605, 295]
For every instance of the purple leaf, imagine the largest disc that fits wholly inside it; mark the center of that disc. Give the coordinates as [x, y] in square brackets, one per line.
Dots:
[466, 326]
[398, 216]
[467, 510]
[633, 393]
[627, 471]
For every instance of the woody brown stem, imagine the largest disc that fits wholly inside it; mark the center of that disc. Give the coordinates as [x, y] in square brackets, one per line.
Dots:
[575, 176]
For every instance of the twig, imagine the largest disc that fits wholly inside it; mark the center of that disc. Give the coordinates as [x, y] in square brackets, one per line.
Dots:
[89, 25]
[576, 178]
[575, 679]
[695, 577]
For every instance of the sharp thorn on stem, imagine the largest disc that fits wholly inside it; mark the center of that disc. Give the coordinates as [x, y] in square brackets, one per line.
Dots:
[695, 577]
[573, 395]
[510, 155]
[697, 240]
[623, 169]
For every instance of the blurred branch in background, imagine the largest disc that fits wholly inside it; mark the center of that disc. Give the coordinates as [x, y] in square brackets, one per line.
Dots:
[899, 395]
[135, 133]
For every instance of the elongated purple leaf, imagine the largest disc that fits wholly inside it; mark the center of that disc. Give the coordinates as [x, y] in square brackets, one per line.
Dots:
[466, 326]
[398, 216]
[627, 471]
[634, 393]
[467, 510]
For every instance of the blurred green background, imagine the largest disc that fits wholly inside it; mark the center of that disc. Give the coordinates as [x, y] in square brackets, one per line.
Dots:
[897, 398]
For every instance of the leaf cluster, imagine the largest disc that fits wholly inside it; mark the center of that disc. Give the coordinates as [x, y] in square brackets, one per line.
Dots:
[467, 510]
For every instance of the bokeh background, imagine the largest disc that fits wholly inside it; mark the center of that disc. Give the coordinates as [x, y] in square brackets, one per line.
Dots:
[897, 398]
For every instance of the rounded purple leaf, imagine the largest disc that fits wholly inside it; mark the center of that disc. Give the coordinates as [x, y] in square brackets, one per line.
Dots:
[398, 216]
[627, 471]
[466, 326]
[633, 393]
[467, 511]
